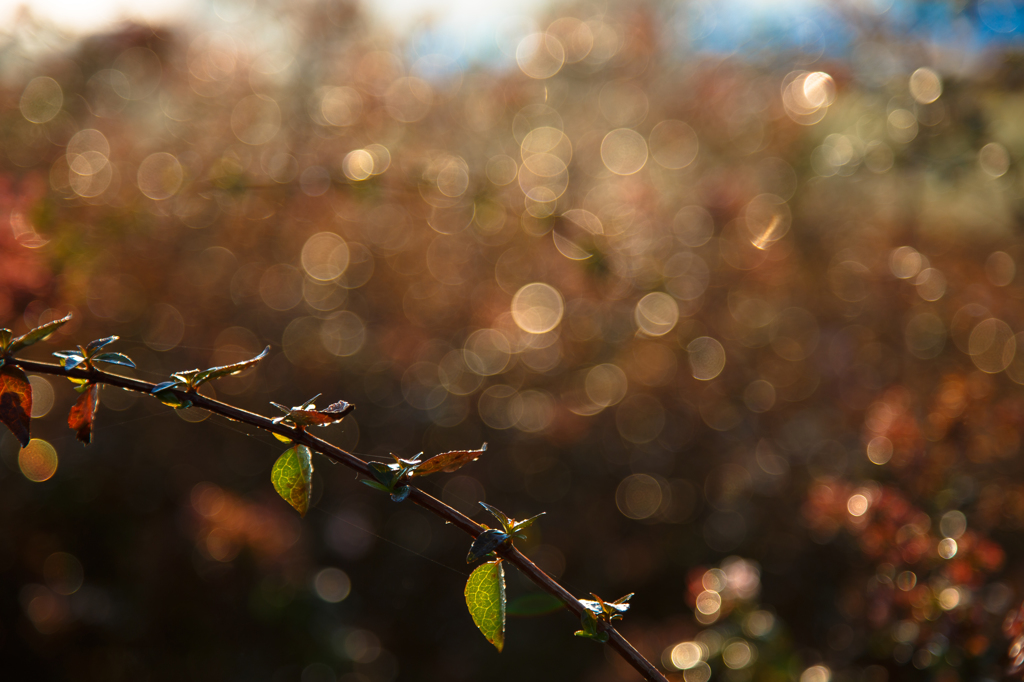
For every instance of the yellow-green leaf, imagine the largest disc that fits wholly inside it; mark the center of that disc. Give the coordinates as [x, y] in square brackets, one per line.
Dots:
[292, 477]
[485, 597]
[36, 335]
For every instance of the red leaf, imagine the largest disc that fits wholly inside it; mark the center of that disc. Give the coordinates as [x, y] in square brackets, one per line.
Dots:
[449, 461]
[83, 412]
[15, 402]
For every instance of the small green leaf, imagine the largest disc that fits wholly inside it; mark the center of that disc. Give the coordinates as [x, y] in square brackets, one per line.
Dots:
[292, 477]
[163, 386]
[401, 493]
[498, 514]
[485, 597]
[485, 543]
[226, 370]
[168, 398]
[520, 526]
[590, 628]
[375, 485]
[34, 336]
[383, 474]
[115, 359]
[537, 604]
[5, 340]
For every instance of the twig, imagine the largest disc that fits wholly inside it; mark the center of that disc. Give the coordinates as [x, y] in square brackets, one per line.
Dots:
[428, 502]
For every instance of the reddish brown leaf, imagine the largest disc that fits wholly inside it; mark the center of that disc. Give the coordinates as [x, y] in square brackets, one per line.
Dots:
[16, 402]
[84, 412]
[449, 461]
[329, 415]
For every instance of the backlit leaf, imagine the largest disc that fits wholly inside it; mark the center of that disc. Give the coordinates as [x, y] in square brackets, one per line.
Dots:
[449, 461]
[83, 412]
[226, 370]
[171, 400]
[70, 359]
[292, 477]
[16, 402]
[36, 335]
[485, 597]
[93, 346]
[5, 339]
[485, 543]
[115, 359]
[307, 414]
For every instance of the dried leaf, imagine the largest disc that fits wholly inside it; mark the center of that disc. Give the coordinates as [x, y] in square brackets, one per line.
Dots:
[36, 335]
[292, 477]
[16, 402]
[449, 461]
[83, 412]
[485, 597]
[307, 414]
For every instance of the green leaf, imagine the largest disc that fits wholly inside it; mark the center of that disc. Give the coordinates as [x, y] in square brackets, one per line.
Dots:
[537, 604]
[498, 514]
[375, 485]
[590, 628]
[168, 398]
[164, 386]
[401, 493]
[115, 359]
[35, 335]
[93, 346]
[485, 597]
[226, 370]
[485, 543]
[607, 610]
[16, 402]
[292, 477]
[5, 340]
[383, 474]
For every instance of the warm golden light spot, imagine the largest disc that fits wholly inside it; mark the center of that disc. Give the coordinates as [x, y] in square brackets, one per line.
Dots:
[906, 581]
[38, 460]
[857, 505]
[953, 524]
[42, 396]
[41, 100]
[685, 655]
[992, 345]
[540, 55]
[994, 160]
[925, 85]
[605, 385]
[902, 125]
[357, 165]
[768, 219]
[947, 548]
[905, 262]
[624, 151]
[709, 602]
[879, 450]
[656, 314]
[325, 256]
[537, 308]
[949, 598]
[638, 496]
[816, 673]
[332, 585]
[707, 358]
[160, 176]
[738, 654]
[340, 106]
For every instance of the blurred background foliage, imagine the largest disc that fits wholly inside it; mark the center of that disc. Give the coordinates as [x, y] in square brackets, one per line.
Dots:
[740, 313]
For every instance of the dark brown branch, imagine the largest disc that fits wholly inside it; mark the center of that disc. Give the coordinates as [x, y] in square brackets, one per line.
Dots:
[428, 502]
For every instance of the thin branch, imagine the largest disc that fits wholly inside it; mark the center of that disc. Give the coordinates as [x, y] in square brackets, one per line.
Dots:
[428, 502]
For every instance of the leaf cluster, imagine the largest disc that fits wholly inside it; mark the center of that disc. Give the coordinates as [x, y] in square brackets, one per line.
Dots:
[192, 379]
[389, 477]
[598, 613]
